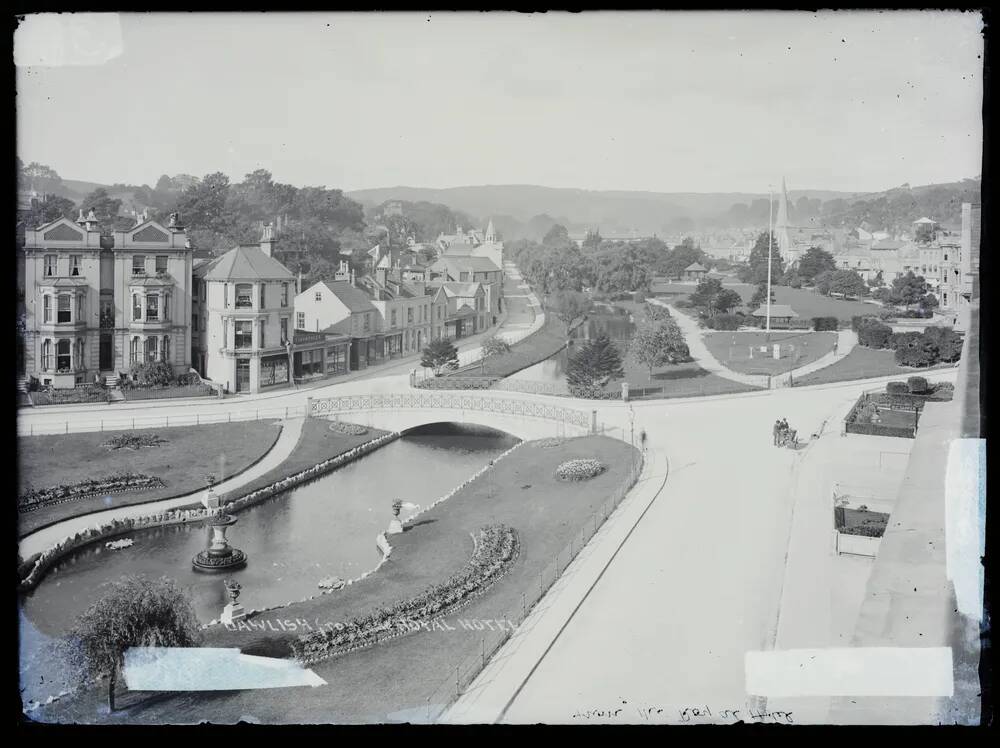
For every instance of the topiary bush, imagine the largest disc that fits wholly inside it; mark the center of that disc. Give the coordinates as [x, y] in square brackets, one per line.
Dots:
[917, 385]
[823, 324]
[897, 388]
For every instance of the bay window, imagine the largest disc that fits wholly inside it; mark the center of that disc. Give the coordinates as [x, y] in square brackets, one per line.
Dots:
[64, 311]
[63, 357]
[134, 350]
[46, 309]
[151, 348]
[166, 306]
[263, 327]
[166, 348]
[152, 308]
[263, 303]
[79, 353]
[136, 307]
[243, 337]
[46, 355]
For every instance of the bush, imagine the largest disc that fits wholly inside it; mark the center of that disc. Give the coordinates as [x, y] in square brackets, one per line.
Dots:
[580, 469]
[795, 282]
[915, 349]
[725, 322]
[822, 324]
[917, 385]
[897, 388]
[873, 334]
[151, 374]
[947, 341]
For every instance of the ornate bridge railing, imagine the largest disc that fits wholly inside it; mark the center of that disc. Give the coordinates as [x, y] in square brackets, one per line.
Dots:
[450, 400]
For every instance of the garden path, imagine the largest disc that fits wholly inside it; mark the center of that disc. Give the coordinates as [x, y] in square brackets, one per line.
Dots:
[47, 537]
[846, 340]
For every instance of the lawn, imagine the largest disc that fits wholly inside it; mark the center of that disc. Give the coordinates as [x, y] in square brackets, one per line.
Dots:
[740, 351]
[862, 363]
[538, 346]
[316, 444]
[395, 681]
[191, 453]
[807, 304]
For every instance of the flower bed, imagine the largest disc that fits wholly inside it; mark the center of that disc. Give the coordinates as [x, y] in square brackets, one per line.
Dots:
[73, 396]
[168, 392]
[92, 486]
[579, 469]
[351, 429]
[548, 443]
[133, 441]
[456, 383]
[34, 569]
[496, 549]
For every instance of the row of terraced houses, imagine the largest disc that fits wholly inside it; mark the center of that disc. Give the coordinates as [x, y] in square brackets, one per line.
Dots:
[96, 306]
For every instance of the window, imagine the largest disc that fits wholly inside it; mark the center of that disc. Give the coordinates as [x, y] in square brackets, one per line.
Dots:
[439, 312]
[243, 334]
[393, 318]
[284, 330]
[263, 328]
[63, 357]
[152, 308]
[166, 348]
[409, 315]
[300, 320]
[79, 353]
[161, 264]
[138, 264]
[263, 304]
[134, 351]
[195, 285]
[50, 265]
[136, 307]
[74, 264]
[946, 258]
[284, 294]
[367, 322]
[336, 360]
[319, 296]
[166, 306]
[225, 295]
[46, 310]
[65, 313]
[151, 348]
[79, 308]
[225, 326]
[244, 295]
[194, 322]
[46, 355]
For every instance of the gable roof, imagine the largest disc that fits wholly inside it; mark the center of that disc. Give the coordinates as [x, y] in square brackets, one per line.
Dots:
[694, 266]
[246, 263]
[353, 298]
[454, 288]
[471, 263]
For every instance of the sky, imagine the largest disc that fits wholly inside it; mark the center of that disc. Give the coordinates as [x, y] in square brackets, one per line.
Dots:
[660, 101]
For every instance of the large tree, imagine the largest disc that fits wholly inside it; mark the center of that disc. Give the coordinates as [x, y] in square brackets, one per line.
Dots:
[681, 256]
[593, 366]
[847, 282]
[910, 290]
[756, 269]
[660, 345]
[105, 209]
[49, 209]
[493, 347]
[813, 262]
[571, 307]
[134, 612]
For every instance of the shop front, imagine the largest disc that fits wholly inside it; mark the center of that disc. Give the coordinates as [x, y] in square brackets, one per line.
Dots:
[274, 370]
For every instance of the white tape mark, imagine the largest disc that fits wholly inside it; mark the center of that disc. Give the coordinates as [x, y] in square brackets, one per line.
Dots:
[210, 669]
[60, 39]
[965, 523]
[847, 671]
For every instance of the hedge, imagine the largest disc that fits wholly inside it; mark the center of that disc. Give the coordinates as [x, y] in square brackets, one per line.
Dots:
[823, 324]
[726, 322]
[872, 333]
[917, 385]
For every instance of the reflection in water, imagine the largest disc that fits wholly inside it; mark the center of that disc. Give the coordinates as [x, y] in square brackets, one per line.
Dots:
[326, 528]
[616, 324]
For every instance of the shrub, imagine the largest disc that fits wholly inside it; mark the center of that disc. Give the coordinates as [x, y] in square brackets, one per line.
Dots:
[580, 469]
[917, 385]
[821, 324]
[873, 334]
[795, 282]
[725, 322]
[915, 349]
[151, 374]
[897, 388]
[947, 341]
[683, 304]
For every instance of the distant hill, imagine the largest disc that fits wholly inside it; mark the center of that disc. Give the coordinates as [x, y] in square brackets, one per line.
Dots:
[611, 211]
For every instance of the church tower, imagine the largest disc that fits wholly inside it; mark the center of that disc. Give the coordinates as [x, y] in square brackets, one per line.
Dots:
[491, 234]
[781, 226]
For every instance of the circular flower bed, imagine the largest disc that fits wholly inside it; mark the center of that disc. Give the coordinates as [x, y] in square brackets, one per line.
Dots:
[551, 442]
[579, 469]
[350, 429]
[133, 441]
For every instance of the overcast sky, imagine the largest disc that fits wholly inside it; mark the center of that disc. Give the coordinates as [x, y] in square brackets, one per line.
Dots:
[669, 102]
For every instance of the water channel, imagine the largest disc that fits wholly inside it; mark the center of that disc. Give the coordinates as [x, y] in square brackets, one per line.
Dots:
[322, 529]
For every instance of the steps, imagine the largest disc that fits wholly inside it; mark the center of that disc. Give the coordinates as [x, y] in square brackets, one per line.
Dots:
[22, 383]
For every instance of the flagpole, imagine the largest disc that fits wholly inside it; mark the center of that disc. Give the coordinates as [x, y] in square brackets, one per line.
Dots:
[770, 236]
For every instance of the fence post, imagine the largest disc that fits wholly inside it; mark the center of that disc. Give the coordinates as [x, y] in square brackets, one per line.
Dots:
[230, 416]
[102, 424]
[484, 651]
[168, 420]
[197, 419]
[67, 427]
[286, 412]
[133, 423]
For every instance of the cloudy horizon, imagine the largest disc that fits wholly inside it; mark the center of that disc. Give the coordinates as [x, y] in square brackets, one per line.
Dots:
[662, 102]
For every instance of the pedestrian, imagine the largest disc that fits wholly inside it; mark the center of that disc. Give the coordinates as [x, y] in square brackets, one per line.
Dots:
[642, 439]
[775, 430]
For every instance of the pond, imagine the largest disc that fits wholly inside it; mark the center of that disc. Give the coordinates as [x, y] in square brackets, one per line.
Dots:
[615, 322]
[326, 528]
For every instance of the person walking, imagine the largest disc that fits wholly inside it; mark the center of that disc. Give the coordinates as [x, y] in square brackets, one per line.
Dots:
[775, 430]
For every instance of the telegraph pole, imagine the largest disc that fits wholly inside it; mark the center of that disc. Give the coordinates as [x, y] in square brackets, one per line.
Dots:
[770, 236]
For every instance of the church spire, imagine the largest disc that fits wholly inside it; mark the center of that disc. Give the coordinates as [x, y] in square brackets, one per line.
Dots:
[491, 234]
[782, 221]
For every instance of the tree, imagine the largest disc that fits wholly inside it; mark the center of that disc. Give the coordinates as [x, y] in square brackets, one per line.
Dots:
[571, 307]
[49, 209]
[847, 282]
[494, 347]
[557, 236]
[760, 296]
[439, 354]
[822, 281]
[681, 256]
[593, 366]
[726, 300]
[105, 208]
[134, 612]
[756, 269]
[705, 293]
[660, 345]
[909, 290]
[815, 261]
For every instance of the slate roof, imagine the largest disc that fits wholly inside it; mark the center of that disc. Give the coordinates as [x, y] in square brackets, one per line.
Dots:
[471, 263]
[452, 288]
[246, 263]
[353, 298]
[695, 267]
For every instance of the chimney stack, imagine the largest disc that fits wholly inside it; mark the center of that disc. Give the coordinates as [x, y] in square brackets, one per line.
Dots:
[267, 240]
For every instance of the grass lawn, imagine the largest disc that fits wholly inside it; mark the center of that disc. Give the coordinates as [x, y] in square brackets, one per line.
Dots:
[798, 348]
[863, 363]
[538, 346]
[191, 453]
[393, 681]
[316, 444]
[679, 380]
[807, 304]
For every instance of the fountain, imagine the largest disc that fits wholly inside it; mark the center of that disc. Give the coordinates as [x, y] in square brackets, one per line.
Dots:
[219, 556]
